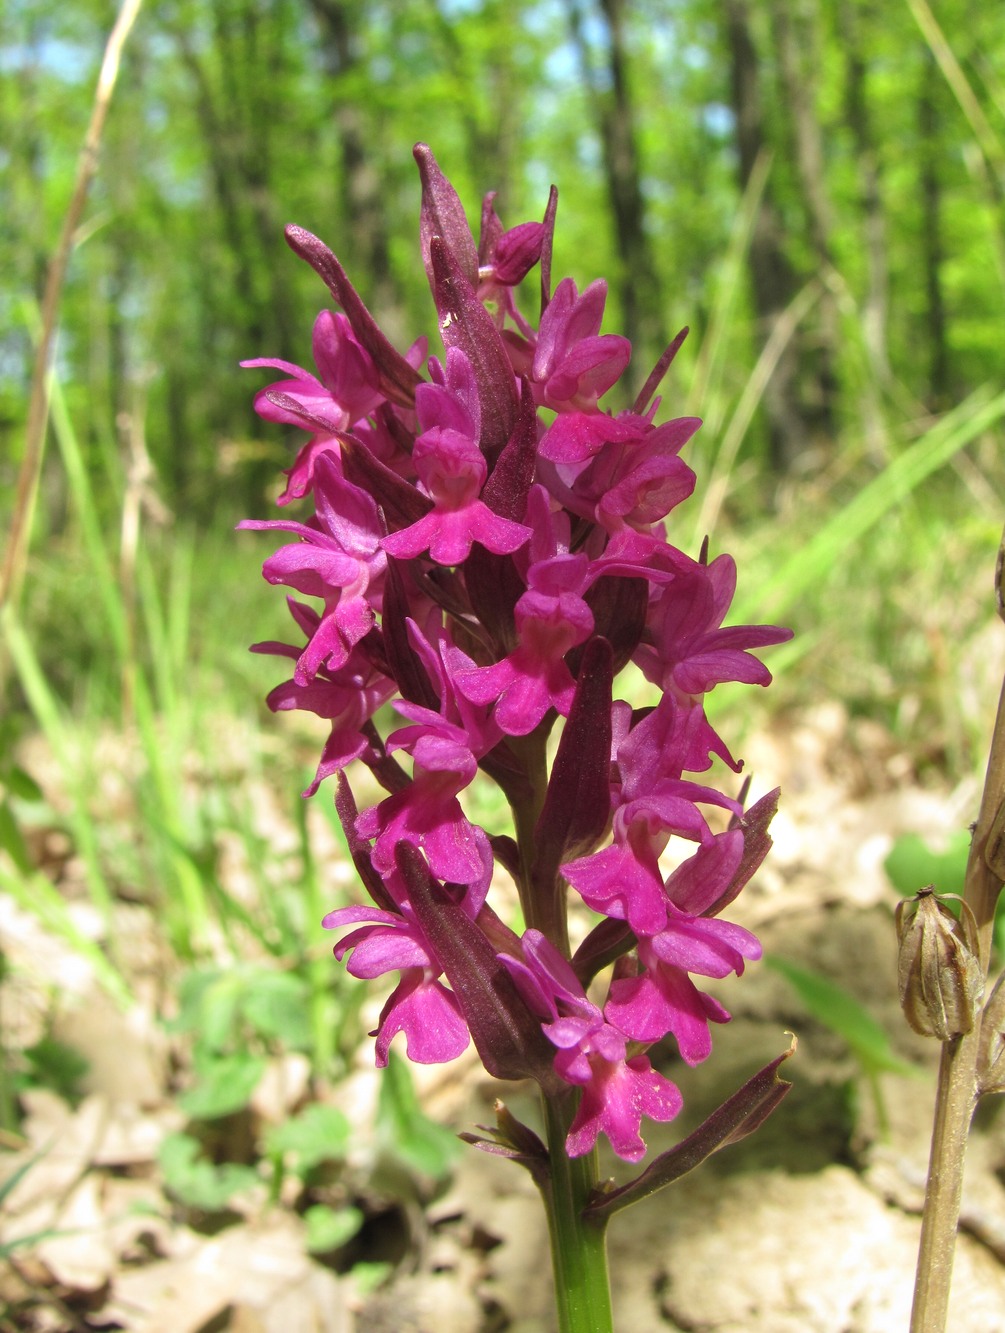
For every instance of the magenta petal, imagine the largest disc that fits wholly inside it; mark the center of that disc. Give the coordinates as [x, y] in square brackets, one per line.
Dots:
[666, 1000]
[516, 252]
[340, 749]
[574, 437]
[407, 543]
[618, 883]
[525, 701]
[428, 1015]
[343, 916]
[709, 947]
[704, 877]
[615, 1104]
[381, 949]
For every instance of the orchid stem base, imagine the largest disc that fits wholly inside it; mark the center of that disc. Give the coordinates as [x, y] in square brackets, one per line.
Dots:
[578, 1246]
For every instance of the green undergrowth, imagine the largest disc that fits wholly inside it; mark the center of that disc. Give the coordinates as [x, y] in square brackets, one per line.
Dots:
[135, 730]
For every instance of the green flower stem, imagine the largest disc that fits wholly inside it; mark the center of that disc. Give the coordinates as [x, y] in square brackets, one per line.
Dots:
[578, 1247]
[543, 903]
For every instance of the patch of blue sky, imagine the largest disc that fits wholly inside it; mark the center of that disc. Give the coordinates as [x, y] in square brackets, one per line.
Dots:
[72, 62]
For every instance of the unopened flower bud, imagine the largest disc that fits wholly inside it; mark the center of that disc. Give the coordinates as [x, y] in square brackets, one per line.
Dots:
[939, 972]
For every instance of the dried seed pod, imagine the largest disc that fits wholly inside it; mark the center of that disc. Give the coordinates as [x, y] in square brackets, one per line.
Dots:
[939, 972]
[991, 1057]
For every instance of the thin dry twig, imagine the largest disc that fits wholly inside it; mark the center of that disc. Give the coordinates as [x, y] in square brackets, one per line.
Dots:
[959, 1087]
[16, 554]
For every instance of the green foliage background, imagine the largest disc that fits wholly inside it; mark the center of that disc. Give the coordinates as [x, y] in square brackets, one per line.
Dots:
[855, 152]
[234, 117]
[816, 187]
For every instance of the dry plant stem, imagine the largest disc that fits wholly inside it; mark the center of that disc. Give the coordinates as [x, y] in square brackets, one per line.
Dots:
[16, 553]
[954, 1105]
[957, 1092]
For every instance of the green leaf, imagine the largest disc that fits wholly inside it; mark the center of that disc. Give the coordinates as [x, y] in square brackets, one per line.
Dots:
[55, 1065]
[912, 864]
[219, 1005]
[839, 1011]
[11, 840]
[406, 1133]
[21, 784]
[196, 1182]
[277, 1004]
[330, 1228]
[318, 1134]
[224, 1084]
[191, 998]
[368, 1275]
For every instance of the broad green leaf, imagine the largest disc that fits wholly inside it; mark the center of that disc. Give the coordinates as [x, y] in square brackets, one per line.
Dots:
[331, 1228]
[218, 1009]
[912, 864]
[277, 1004]
[191, 994]
[318, 1134]
[223, 1086]
[199, 1183]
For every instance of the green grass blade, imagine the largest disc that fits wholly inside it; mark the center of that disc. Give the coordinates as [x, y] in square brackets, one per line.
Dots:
[814, 562]
[95, 543]
[51, 717]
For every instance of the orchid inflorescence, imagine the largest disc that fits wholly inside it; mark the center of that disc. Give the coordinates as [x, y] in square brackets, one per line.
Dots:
[488, 552]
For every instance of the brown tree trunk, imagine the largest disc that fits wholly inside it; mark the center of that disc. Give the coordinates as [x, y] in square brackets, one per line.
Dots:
[875, 304]
[366, 254]
[492, 136]
[773, 281]
[615, 119]
[933, 250]
[792, 27]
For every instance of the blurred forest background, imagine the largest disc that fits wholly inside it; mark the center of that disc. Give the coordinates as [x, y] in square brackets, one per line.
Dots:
[815, 187]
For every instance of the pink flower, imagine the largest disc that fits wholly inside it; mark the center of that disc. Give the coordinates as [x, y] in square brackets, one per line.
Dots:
[420, 1005]
[338, 559]
[575, 364]
[428, 814]
[624, 880]
[690, 652]
[663, 998]
[488, 549]
[347, 697]
[551, 617]
[592, 1054]
[452, 471]
[346, 390]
